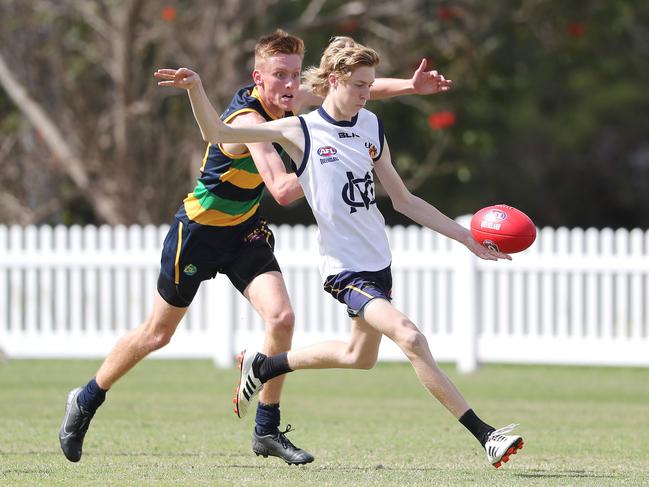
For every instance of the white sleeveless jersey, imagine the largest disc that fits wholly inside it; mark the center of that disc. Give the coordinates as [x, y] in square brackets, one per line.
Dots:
[336, 176]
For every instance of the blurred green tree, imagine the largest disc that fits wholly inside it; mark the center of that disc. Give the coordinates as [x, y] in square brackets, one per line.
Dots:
[548, 112]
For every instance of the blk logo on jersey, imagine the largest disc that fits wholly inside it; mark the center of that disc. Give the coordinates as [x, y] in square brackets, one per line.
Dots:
[327, 154]
[359, 192]
[347, 135]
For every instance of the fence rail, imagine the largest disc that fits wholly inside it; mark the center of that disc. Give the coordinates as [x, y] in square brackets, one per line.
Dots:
[576, 297]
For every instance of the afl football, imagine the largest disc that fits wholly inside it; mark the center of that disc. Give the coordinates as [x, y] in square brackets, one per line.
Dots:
[503, 228]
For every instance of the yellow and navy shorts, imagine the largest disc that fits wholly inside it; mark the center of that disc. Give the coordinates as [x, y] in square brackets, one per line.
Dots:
[357, 288]
[193, 253]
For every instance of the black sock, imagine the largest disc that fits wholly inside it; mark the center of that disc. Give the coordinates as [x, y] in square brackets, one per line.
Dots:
[267, 368]
[91, 397]
[476, 426]
[268, 418]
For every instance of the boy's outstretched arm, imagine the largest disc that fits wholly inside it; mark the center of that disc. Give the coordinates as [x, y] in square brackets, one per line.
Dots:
[206, 116]
[423, 212]
[212, 127]
[283, 186]
[422, 83]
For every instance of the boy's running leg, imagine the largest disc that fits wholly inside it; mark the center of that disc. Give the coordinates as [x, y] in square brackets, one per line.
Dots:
[267, 294]
[82, 402]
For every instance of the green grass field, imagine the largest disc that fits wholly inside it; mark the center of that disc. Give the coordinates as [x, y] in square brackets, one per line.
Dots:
[171, 423]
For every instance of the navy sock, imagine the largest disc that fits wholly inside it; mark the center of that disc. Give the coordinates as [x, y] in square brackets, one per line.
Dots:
[267, 420]
[91, 397]
[476, 426]
[267, 368]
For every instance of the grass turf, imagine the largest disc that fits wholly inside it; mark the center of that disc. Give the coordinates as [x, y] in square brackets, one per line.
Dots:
[171, 423]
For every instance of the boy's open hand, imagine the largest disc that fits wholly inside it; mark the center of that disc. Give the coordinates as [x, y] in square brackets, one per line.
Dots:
[484, 252]
[182, 78]
[429, 82]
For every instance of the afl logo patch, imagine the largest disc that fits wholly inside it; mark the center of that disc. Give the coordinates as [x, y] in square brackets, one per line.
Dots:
[495, 216]
[327, 154]
[327, 151]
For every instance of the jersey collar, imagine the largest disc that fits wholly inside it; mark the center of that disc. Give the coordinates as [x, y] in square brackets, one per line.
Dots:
[339, 123]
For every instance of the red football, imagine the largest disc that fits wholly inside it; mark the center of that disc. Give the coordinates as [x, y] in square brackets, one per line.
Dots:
[503, 228]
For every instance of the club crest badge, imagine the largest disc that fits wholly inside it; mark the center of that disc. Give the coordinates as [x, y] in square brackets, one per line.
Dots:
[372, 150]
[190, 269]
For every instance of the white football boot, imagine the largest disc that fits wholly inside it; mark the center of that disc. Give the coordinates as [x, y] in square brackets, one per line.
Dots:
[500, 445]
[249, 385]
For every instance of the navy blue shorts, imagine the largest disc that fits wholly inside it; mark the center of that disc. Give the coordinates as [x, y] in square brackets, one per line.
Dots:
[357, 288]
[193, 253]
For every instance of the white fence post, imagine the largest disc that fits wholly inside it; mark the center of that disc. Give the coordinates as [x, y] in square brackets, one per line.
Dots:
[464, 305]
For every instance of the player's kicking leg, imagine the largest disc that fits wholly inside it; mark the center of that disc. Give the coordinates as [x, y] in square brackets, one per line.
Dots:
[500, 445]
[257, 369]
[398, 327]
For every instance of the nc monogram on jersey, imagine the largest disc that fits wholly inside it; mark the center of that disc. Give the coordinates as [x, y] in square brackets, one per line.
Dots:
[359, 192]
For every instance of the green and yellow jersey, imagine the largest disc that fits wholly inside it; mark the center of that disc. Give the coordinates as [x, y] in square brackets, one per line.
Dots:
[229, 188]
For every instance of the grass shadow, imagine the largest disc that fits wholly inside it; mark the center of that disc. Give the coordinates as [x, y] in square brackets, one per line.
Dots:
[561, 474]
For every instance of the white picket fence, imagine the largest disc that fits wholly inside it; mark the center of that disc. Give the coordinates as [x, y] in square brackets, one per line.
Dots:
[575, 297]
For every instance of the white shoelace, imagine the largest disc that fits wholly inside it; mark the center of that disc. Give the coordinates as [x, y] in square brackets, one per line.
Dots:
[505, 429]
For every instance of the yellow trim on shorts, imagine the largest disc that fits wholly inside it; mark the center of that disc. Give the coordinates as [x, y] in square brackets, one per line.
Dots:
[176, 262]
[214, 218]
[354, 288]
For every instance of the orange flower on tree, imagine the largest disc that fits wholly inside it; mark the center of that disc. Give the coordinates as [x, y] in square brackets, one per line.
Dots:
[349, 25]
[576, 29]
[441, 120]
[445, 13]
[169, 14]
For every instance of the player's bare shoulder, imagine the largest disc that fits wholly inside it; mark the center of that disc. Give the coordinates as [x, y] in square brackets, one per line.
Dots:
[285, 131]
[247, 118]
[244, 119]
[289, 125]
[292, 136]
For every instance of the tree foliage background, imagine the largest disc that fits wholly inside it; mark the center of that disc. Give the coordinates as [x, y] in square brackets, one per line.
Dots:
[549, 111]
